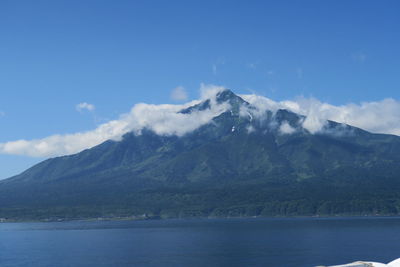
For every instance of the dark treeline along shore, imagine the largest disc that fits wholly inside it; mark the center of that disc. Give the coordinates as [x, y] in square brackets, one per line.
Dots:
[235, 165]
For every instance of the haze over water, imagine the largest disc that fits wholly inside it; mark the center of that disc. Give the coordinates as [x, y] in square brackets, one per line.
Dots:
[201, 242]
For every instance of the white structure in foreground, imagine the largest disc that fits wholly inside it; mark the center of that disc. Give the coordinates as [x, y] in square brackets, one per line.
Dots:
[395, 263]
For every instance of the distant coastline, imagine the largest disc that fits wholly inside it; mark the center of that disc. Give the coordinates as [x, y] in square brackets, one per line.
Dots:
[150, 218]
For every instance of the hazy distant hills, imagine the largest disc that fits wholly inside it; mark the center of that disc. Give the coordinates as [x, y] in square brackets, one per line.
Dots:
[238, 164]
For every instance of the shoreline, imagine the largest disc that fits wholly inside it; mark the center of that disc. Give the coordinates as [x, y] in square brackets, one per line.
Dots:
[158, 218]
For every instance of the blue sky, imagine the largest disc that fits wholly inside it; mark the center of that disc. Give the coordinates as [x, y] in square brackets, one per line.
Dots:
[113, 54]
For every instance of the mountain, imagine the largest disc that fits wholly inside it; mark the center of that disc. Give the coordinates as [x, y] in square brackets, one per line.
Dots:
[241, 163]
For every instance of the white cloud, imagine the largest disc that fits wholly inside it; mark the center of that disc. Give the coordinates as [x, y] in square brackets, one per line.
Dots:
[179, 94]
[162, 119]
[208, 91]
[250, 129]
[382, 117]
[285, 128]
[85, 106]
[2, 113]
[378, 117]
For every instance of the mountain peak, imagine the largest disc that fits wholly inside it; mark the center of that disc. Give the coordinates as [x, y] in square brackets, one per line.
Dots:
[228, 95]
[223, 96]
[235, 101]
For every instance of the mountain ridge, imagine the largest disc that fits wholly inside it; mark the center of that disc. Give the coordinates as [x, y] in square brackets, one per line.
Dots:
[238, 164]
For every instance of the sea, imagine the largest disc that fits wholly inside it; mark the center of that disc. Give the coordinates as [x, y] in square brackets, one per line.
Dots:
[276, 242]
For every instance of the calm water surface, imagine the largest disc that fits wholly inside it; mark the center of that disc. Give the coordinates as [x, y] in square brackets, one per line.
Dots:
[201, 242]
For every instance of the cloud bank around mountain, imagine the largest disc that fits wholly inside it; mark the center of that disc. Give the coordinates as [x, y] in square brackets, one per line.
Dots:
[379, 117]
[162, 119]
